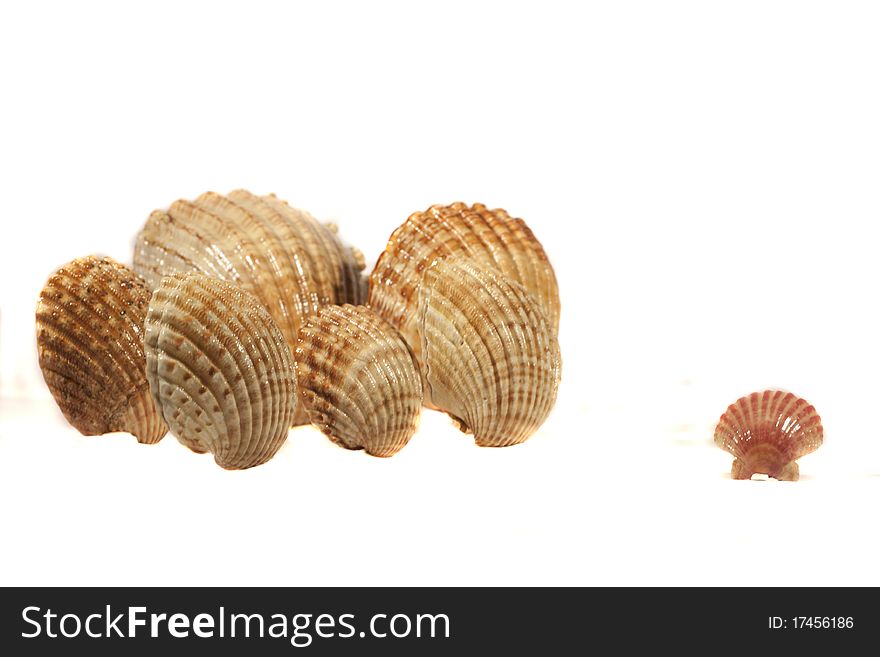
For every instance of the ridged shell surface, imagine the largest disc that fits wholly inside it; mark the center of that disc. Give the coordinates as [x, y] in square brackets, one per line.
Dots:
[358, 379]
[488, 237]
[283, 256]
[220, 370]
[90, 344]
[491, 357]
[767, 432]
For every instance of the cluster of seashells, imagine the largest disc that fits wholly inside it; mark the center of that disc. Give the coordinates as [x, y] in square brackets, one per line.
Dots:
[243, 316]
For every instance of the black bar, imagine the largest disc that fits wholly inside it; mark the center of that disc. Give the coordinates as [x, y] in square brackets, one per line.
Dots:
[501, 619]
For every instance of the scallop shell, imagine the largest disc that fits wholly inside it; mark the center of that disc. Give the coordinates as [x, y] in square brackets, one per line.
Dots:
[491, 358]
[358, 380]
[767, 432]
[219, 369]
[281, 255]
[489, 237]
[90, 346]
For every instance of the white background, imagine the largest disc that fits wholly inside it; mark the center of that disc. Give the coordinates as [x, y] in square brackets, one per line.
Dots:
[702, 175]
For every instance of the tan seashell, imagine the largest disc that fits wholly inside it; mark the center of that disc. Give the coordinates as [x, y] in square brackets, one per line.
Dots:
[219, 369]
[489, 237]
[90, 343]
[491, 358]
[281, 255]
[358, 379]
[767, 432]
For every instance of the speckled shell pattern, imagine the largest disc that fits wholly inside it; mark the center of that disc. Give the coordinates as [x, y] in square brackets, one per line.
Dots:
[358, 380]
[491, 357]
[767, 432]
[90, 344]
[490, 238]
[219, 369]
[283, 256]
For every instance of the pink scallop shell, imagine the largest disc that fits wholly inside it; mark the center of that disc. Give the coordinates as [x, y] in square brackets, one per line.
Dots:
[767, 432]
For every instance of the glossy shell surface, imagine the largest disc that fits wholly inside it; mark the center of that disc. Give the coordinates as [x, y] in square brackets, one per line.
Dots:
[767, 432]
[220, 370]
[490, 357]
[358, 380]
[90, 345]
[288, 260]
[490, 238]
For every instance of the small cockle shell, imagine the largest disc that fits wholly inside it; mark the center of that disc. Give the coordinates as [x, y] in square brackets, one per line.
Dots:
[358, 380]
[283, 256]
[490, 238]
[219, 369]
[91, 348]
[767, 432]
[491, 357]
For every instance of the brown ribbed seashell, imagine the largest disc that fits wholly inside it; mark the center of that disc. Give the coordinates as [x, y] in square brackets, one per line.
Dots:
[283, 256]
[358, 379]
[219, 369]
[90, 343]
[488, 237]
[767, 432]
[491, 358]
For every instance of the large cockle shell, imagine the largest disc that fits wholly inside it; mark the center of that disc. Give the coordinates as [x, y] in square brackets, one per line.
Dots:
[358, 379]
[490, 238]
[90, 343]
[283, 256]
[220, 370]
[767, 432]
[491, 357]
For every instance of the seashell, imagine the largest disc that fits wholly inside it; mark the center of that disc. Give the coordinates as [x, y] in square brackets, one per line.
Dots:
[90, 344]
[281, 255]
[767, 432]
[491, 357]
[488, 237]
[358, 379]
[219, 369]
